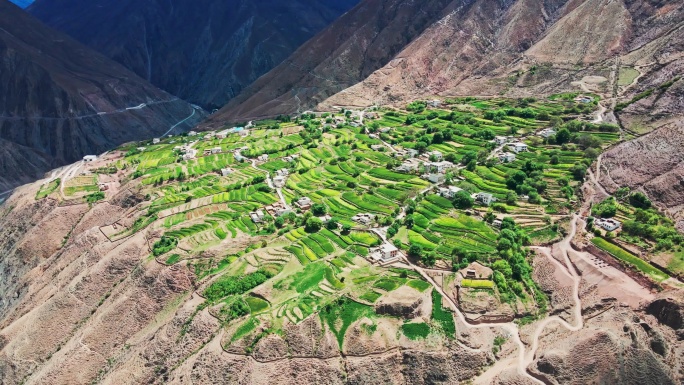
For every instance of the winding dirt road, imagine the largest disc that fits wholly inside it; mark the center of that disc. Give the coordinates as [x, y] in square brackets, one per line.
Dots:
[525, 356]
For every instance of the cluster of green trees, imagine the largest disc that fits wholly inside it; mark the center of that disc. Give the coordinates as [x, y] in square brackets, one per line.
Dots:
[233, 310]
[164, 245]
[529, 180]
[651, 225]
[232, 286]
[605, 209]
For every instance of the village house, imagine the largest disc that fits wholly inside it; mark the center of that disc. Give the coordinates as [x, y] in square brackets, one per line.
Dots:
[209, 135]
[439, 167]
[190, 154]
[377, 147]
[304, 203]
[141, 149]
[386, 253]
[216, 150]
[477, 271]
[547, 132]
[263, 157]
[370, 115]
[227, 171]
[103, 186]
[156, 140]
[499, 140]
[435, 103]
[385, 129]
[518, 147]
[89, 158]
[485, 198]
[437, 155]
[507, 157]
[608, 224]
[373, 136]
[291, 158]
[283, 172]
[583, 99]
[257, 216]
[277, 209]
[243, 133]
[408, 166]
[497, 223]
[279, 181]
[449, 192]
[364, 218]
[238, 156]
[435, 178]
[192, 133]
[222, 135]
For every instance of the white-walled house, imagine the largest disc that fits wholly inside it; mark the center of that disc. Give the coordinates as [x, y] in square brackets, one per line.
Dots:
[518, 147]
[507, 157]
[485, 198]
[227, 171]
[89, 158]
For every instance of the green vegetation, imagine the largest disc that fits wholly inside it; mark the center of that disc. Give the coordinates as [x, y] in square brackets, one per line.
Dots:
[415, 331]
[630, 258]
[477, 284]
[48, 189]
[231, 285]
[256, 304]
[419, 284]
[94, 197]
[341, 314]
[164, 245]
[443, 317]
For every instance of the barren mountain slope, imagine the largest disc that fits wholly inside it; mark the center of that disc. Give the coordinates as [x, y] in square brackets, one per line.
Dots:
[62, 101]
[355, 45]
[203, 51]
[526, 47]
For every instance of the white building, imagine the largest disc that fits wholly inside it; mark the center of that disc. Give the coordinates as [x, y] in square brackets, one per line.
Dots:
[439, 167]
[435, 178]
[449, 192]
[209, 135]
[283, 172]
[435, 103]
[263, 157]
[499, 140]
[279, 181]
[385, 129]
[507, 157]
[545, 133]
[216, 150]
[408, 166]
[377, 147]
[372, 136]
[518, 147]
[222, 135]
[436, 154]
[243, 133]
[485, 198]
[156, 140]
[227, 171]
[304, 203]
[192, 133]
[257, 216]
[190, 154]
[608, 224]
[141, 149]
[89, 158]
[364, 218]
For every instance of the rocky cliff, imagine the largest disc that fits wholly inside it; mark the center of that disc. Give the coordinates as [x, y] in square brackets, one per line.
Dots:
[474, 47]
[203, 51]
[61, 101]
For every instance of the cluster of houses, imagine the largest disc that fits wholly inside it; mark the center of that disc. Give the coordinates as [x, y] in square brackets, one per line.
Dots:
[449, 192]
[304, 203]
[212, 151]
[608, 224]
[281, 177]
[277, 209]
[517, 147]
[257, 216]
[364, 218]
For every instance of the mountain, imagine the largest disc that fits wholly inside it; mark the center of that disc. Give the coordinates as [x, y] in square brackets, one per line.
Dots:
[203, 51]
[448, 48]
[61, 100]
[22, 3]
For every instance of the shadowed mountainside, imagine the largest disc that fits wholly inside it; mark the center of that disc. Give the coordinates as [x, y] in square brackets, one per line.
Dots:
[61, 100]
[203, 51]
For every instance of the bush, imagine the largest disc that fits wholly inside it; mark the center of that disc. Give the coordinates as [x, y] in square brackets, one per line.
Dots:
[164, 245]
[231, 285]
[640, 200]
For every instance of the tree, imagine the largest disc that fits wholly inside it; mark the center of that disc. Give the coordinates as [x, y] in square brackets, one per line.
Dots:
[503, 267]
[421, 147]
[415, 251]
[408, 221]
[640, 200]
[332, 224]
[462, 200]
[346, 228]
[563, 136]
[279, 222]
[428, 259]
[313, 225]
[471, 165]
[319, 209]
[578, 171]
[511, 198]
